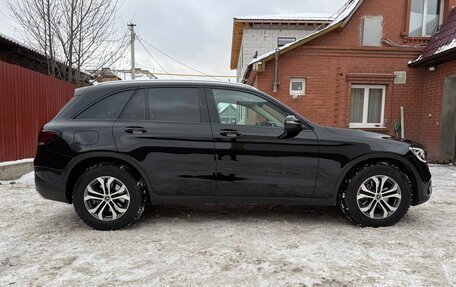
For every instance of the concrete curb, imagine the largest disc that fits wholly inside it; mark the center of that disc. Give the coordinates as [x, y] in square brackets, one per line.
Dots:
[15, 169]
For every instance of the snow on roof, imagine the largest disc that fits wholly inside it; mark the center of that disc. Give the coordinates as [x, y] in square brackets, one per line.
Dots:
[289, 17]
[441, 42]
[341, 17]
[348, 9]
[444, 48]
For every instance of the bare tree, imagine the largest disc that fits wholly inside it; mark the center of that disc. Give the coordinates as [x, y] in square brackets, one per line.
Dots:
[73, 34]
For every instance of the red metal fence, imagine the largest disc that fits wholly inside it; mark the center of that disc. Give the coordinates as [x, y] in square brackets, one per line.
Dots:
[27, 101]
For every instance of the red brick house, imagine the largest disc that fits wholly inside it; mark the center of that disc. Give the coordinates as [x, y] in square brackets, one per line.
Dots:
[358, 71]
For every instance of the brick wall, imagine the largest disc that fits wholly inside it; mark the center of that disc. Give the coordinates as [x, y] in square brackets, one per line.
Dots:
[449, 4]
[329, 76]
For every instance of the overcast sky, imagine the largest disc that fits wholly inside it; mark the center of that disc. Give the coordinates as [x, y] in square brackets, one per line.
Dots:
[196, 32]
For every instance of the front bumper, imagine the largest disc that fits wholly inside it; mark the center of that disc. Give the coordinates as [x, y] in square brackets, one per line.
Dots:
[423, 176]
[423, 194]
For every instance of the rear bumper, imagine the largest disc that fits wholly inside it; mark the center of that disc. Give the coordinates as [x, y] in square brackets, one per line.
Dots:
[49, 183]
[50, 178]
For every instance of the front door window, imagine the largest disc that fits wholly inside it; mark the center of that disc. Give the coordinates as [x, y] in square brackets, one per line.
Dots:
[238, 108]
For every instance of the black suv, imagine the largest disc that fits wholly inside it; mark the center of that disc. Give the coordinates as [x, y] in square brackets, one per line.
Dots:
[116, 146]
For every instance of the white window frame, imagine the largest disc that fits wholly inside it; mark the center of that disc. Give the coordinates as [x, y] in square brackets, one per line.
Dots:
[295, 92]
[283, 38]
[365, 124]
[425, 14]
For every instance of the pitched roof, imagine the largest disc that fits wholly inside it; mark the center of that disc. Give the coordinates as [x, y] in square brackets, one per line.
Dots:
[343, 16]
[239, 22]
[6, 40]
[442, 45]
[30, 57]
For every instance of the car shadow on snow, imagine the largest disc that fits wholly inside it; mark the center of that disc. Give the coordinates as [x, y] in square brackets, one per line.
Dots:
[66, 218]
[243, 213]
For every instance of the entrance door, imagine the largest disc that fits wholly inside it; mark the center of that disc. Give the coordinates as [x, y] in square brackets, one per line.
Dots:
[448, 124]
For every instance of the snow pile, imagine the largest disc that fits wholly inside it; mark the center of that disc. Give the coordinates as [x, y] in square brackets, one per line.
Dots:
[5, 163]
[28, 179]
[43, 243]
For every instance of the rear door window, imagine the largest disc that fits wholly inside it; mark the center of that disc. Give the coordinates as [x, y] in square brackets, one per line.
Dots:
[174, 104]
[108, 108]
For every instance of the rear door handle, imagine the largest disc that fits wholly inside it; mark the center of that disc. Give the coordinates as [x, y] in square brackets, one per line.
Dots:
[230, 133]
[135, 130]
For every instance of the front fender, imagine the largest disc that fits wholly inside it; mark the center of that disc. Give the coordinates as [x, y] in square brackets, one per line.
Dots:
[403, 161]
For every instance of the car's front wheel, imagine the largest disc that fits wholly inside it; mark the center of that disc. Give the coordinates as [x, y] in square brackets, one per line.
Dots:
[376, 195]
[108, 197]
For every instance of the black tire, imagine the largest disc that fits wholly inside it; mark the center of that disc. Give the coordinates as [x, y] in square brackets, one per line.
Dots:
[135, 191]
[350, 205]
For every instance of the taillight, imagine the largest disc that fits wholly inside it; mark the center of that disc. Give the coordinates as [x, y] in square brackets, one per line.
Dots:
[46, 137]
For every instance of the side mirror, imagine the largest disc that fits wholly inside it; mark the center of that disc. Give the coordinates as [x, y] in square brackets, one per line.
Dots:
[292, 127]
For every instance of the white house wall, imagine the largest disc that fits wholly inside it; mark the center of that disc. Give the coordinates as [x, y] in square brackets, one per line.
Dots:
[264, 39]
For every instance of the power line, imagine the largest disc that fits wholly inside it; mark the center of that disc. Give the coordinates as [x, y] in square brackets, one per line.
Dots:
[153, 58]
[176, 60]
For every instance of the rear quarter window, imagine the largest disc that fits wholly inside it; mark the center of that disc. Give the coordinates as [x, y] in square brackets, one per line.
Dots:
[136, 109]
[108, 108]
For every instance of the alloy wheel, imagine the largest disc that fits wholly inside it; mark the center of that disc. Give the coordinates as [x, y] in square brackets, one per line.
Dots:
[379, 197]
[106, 198]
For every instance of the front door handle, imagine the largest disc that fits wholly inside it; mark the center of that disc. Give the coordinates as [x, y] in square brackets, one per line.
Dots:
[230, 133]
[135, 130]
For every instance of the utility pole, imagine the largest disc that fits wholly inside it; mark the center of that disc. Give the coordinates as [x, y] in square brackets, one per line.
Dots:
[131, 26]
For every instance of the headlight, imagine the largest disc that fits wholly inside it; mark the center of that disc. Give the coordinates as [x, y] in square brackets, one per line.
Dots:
[419, 153]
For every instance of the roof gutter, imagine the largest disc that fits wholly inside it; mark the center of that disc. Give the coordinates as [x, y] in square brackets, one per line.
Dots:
[436, 59]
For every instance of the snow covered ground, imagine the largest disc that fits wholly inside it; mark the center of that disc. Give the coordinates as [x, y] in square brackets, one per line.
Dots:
[43, 243]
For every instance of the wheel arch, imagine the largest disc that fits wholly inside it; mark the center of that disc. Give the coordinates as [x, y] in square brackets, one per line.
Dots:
[396, 160]
[79, 164]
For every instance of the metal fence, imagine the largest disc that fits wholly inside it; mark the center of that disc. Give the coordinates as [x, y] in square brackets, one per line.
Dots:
[27, 101]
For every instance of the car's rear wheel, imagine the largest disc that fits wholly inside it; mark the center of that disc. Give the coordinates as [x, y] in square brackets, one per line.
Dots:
[376, 195]
[108, 197]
